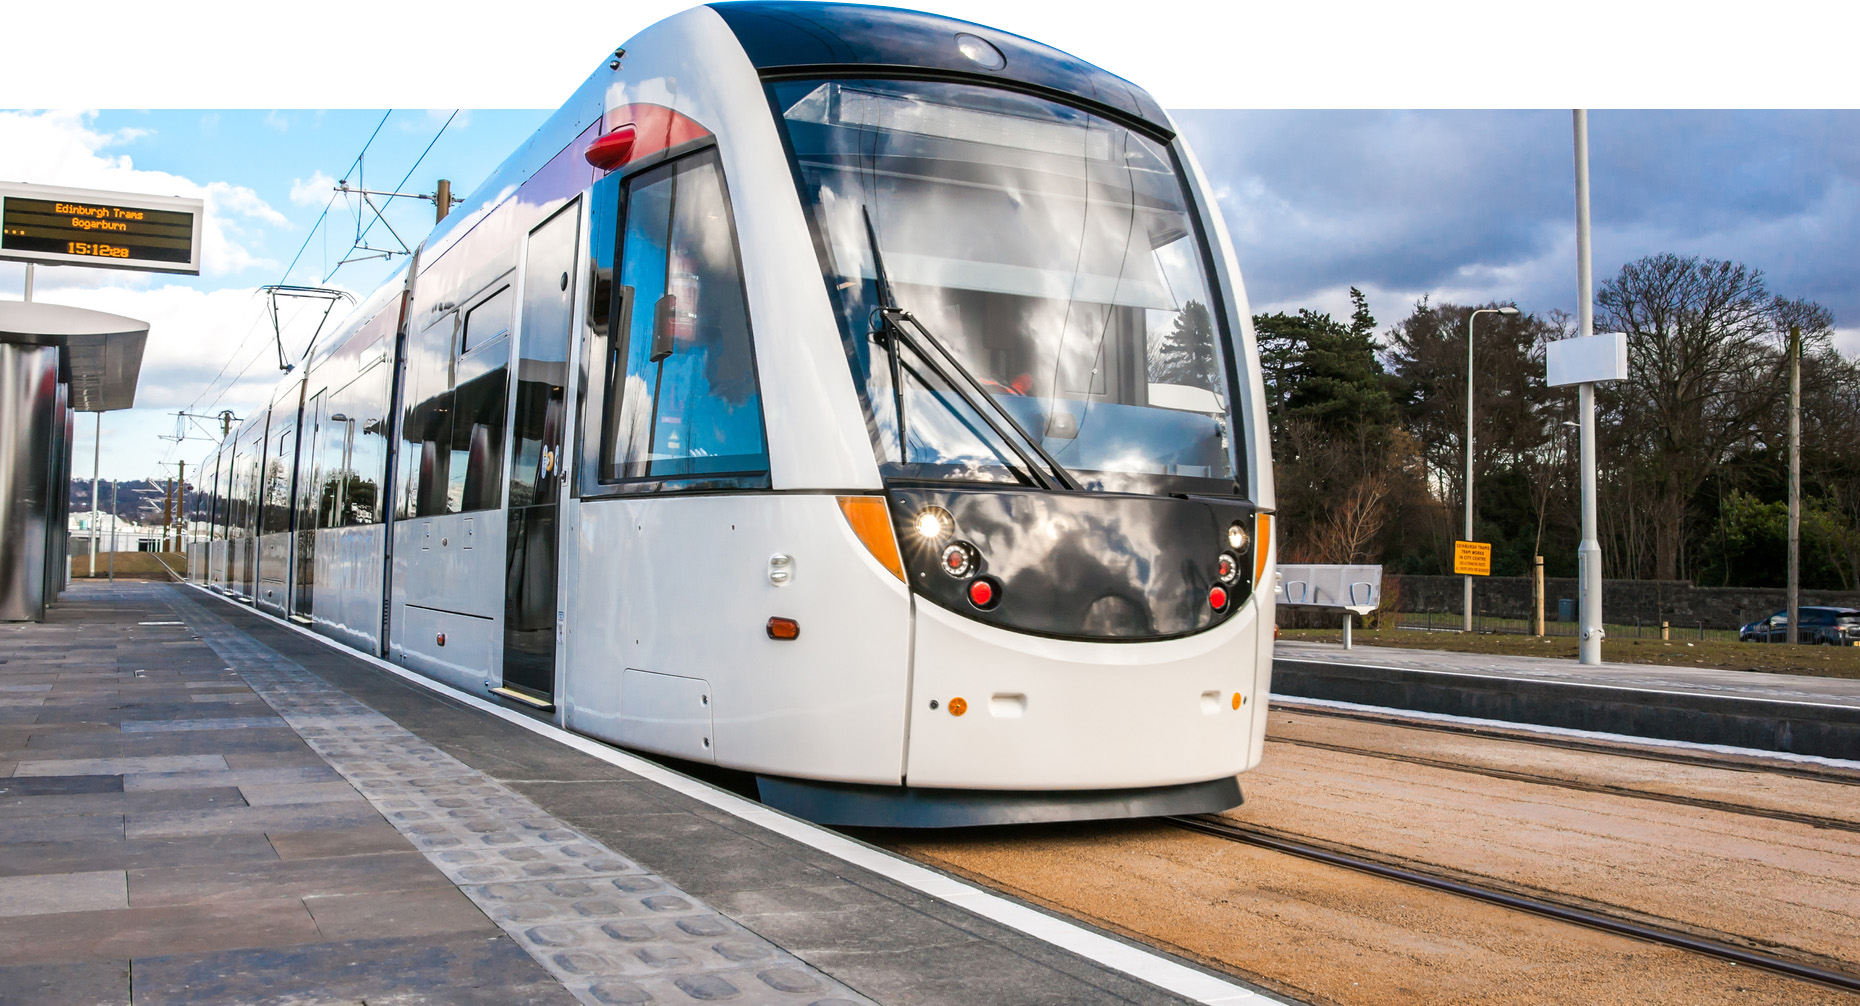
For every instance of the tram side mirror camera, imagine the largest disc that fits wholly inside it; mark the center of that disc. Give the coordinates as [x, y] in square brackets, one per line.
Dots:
[662, 314]
[1062, 425]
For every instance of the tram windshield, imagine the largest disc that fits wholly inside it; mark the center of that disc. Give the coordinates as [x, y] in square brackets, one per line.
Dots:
[1050, 251]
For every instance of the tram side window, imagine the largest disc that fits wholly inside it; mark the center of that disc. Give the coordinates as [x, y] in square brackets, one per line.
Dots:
[361, 446]
[681, 394]
[275, 505]
[476, 469]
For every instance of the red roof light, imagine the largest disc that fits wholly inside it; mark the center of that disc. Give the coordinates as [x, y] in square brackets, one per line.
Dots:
[641, 130]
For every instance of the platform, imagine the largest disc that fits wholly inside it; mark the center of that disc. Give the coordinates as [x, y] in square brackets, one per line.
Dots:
[212, 807]
[1797, 714]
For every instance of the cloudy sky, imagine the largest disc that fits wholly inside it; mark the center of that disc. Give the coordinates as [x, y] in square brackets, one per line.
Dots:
[1459, 205]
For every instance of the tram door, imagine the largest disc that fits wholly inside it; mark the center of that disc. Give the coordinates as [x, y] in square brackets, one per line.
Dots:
[309, 494]
[538, 417]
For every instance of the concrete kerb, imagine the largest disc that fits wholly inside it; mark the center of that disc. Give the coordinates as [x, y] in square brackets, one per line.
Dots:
[1825, 730]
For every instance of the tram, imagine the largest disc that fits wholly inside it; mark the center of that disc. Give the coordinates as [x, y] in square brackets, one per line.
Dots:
[852, 397]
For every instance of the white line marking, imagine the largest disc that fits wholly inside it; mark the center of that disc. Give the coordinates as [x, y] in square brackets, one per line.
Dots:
[1140, 964]
[1538, 728]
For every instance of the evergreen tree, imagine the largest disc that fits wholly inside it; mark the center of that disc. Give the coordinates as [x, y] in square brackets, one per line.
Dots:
[1320, 370]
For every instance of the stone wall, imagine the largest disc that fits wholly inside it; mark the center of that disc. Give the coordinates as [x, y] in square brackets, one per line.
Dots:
[1623, 601]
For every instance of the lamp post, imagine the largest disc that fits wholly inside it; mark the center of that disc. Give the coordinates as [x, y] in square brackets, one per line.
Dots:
[1467, 607]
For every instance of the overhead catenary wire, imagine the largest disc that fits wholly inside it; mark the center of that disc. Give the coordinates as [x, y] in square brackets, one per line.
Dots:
[362, 235]
[320, 220]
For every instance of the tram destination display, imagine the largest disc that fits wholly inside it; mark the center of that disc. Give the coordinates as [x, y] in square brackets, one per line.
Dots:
[112, 230]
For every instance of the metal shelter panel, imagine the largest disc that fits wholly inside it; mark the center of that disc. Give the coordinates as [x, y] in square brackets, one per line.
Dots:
[28, 399]
[53, 359]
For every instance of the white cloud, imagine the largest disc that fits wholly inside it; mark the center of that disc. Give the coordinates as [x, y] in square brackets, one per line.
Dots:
[207, 351]
[313, 191]
[65, 148]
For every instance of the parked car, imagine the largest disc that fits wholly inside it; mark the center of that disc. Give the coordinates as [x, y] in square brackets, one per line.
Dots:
[1832, 626]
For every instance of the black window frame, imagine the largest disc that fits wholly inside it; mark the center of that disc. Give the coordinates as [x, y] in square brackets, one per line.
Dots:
[596, 375]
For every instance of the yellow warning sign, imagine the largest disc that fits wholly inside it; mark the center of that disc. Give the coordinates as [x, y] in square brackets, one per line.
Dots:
[1472, 558]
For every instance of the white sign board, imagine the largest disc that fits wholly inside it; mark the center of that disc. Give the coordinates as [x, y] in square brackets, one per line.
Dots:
[1586, 360]
[59, 225]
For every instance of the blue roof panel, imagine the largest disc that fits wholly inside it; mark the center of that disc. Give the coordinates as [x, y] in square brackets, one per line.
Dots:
[781, 35]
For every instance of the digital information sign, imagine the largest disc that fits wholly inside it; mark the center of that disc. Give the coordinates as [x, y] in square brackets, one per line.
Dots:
[111, 230]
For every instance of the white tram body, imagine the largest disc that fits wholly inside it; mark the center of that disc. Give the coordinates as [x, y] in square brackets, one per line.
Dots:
[853, 397]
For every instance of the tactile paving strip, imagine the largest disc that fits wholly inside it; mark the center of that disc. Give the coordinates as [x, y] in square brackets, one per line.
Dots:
[610, 930]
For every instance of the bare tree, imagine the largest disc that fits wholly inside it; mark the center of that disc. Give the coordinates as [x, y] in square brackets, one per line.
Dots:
[1704, 355]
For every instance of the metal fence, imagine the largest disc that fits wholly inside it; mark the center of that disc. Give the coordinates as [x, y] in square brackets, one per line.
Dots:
[1453, 621]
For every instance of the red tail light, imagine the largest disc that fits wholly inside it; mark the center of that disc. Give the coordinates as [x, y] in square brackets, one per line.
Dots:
[1217, 597]
[983, 593]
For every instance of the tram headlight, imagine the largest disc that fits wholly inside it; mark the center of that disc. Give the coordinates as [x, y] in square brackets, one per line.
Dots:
[1237, 536]
[935, 523]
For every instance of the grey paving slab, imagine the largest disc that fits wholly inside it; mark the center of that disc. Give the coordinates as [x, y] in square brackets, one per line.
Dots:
[58, 805]
[59, 785]
[386, 872]
[173, 929]
[118, 853]
[121, 766]
[466, 969]
[283, 794]
[397, 914]
[47, 894]
[324, 843]
[234, 698]
[211, 723]
[152, 781]
[228, 820]
[61, 829]
[84, 983]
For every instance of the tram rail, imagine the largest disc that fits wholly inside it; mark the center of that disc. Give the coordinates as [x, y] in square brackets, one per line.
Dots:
[1623, 749]
[1544, 907]
[1724, 806]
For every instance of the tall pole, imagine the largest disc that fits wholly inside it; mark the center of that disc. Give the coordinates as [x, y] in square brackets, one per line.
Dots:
[1795, 483]
[96, 501]
[1589, 552]
[1466, 604]
[28, 296]
[180, 507]
[442, 200]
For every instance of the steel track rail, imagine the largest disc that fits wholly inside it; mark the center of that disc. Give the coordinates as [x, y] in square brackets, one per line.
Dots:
[1578, 786]
[1563, 913]
[1733, 763]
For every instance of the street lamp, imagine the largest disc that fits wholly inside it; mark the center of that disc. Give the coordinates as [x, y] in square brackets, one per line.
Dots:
[1467, 607]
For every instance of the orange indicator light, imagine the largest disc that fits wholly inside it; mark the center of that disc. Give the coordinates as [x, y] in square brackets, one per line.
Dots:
[784, 628]
[1239, 700]
[871, 524]
[958, 706]
[1262, 543]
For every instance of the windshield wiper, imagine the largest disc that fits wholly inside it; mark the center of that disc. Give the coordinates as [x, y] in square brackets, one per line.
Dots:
[943, 363]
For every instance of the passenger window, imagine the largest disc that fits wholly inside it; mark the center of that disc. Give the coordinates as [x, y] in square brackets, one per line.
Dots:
[487, 322]
[681, 396]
